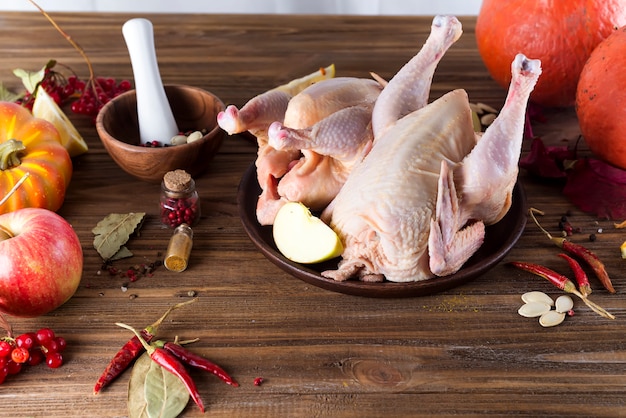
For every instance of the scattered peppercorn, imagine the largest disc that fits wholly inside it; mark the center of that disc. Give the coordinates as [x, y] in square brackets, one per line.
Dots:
[592, 237]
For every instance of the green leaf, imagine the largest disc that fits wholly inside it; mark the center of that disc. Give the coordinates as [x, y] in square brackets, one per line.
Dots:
[31, 79]
[166, 395]
[112, 232]
[7, 95]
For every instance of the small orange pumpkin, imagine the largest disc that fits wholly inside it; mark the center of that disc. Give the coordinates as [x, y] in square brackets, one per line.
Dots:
[601, 100]
[561, 33]
[31, 145]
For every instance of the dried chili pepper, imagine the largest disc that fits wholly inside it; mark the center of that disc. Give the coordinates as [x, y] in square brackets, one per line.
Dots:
[562, 282]
[581, 277]
[197, 361]
[578, 250]
[131, 350]
[170, 363]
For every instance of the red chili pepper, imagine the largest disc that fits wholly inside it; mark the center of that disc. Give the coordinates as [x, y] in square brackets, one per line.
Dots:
[197, 361]
[562, 283]
[552, 276]
[170, 363]
[131, 350]
[578, 250]
[581, 277]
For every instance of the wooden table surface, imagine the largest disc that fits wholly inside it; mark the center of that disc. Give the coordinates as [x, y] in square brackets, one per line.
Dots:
[464, 351]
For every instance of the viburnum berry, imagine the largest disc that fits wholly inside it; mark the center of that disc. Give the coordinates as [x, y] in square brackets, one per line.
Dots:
[13, 367]
[5, 348]
[44, 335]
[26, 341]
[54, 360]
[20, 355]
[36, 356]
[29, 349]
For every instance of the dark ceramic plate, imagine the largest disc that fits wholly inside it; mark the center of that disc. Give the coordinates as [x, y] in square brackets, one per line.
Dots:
[499, 239]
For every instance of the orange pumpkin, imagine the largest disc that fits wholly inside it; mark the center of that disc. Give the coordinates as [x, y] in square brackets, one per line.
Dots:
[561, 33]
[601, 100]
[31, 145]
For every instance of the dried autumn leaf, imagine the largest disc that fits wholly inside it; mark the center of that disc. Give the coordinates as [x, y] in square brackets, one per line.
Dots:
[597, 187]
[112, 232]
[546, 161]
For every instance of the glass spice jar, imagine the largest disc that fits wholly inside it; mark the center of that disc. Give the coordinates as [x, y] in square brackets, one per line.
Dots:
[179, 202]
[179, 249]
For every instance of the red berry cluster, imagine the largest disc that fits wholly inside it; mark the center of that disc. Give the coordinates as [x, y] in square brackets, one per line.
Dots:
[91, 95]
[30, 349]
[179, 211]
[56, 85]
[96, 93]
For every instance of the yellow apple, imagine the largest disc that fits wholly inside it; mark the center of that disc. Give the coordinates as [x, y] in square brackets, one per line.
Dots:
[302, 237]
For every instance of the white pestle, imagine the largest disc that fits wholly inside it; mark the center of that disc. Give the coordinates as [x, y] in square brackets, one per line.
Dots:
[156, 121]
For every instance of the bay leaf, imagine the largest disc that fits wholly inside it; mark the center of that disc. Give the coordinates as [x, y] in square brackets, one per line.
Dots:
[166, 395]
[112, 232]
[123, 252]
[154, 392]
[136, 396]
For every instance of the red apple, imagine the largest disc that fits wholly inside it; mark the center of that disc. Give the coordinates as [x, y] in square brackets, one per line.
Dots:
[41, 262]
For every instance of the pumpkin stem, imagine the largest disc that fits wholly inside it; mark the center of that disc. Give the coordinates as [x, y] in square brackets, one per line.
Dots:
[9, 153]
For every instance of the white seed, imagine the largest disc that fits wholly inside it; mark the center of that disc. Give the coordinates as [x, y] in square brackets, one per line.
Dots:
[194, 136]
[551, 319]
[178, 140]
[487, 119]
[533, 309]
[564, 304]
[476, 109]
[536, 296]
[485, 107]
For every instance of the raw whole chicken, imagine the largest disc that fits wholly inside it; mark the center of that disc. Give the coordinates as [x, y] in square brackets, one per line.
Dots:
[327, 128]
[416, 206]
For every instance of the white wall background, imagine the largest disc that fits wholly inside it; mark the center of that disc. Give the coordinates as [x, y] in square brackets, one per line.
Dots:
[358, 7]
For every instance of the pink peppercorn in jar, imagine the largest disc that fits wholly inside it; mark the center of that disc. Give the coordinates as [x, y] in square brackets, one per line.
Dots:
[179, 201]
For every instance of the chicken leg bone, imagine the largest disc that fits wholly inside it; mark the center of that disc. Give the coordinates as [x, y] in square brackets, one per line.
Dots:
[409, 89]
[486, 177]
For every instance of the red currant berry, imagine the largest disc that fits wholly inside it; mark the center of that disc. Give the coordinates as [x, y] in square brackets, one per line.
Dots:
[20, 355]
[44, 335]
[124, 85]
[61, 344]
[36, 356]
[3, 374]
[5, 349]
[54, 360]
[26, 341]
[13, 367]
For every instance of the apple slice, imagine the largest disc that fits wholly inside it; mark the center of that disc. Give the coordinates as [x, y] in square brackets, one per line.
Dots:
[303, 237]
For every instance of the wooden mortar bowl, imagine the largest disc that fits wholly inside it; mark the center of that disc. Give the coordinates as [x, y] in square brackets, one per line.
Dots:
[194, 109]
